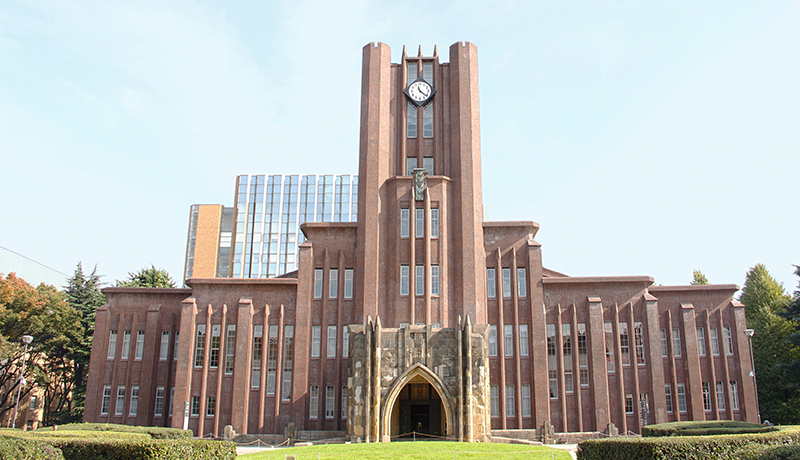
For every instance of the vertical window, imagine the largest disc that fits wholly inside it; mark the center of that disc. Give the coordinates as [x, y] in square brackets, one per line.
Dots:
[330, 401]
[348, 283]
[158, 411]
[522, 287]
[526, 400]
[258, 340]
[734, 395]
[508, 339]
[427, 124]
[330, 349]
[681, 397]
[714, 342]
[427, 71]
[139, 345]
[510, 404]
[728, 340]
[625, 345]
[200, 345]
[164, 352]
[333, 287]
[412, 71]
[195, 406]
[419, 223]
[345, 342]
[171, 399]
[106, 399]
[134, 408]
[609, 333]
[126, 344]
[313, 407]
[523, 340]
[701, 341]
[211, 406]
[318, 283]
[668, 394]
[639, 337]
[411, 163]
[404, 282]
[506, 282]
[720, 396]
[316, 333]
[34, 403]
[492, 340]
[434, 280]
[404, 226]
[552, 364]
[419, 280]
[434, 223]
[216, 332]
[120, 400]
[411, 121]
[344, 402]
[230, 348]
[706, 396]
[112, 344]
[491, 283]
[494, 399]
[583, 355]
[664, 345]
[628, 403]
[676, 341]
[272, 359]
[288, 365]
[566, 337]
[175, 350]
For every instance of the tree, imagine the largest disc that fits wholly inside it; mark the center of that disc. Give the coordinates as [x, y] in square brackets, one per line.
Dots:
[792, 313]
[764, 298]
[698, 278]
[148, 277]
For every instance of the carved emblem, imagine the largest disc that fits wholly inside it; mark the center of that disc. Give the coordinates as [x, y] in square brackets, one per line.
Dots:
[420, 183]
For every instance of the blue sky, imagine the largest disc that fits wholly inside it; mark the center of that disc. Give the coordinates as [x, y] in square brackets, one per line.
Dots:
[646, 138]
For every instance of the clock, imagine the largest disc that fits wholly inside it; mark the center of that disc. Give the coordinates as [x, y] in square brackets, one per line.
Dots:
[420, 92]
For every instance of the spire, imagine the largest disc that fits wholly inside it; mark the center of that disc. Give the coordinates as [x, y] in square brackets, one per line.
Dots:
[419, 51]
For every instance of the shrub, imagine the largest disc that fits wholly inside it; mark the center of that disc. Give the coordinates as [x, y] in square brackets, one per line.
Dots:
[27, 449]
[703, 428]
[770, 453]
[117, 449]
[154, 432]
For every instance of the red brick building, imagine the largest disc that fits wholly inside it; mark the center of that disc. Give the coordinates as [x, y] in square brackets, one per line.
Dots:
[420, 316]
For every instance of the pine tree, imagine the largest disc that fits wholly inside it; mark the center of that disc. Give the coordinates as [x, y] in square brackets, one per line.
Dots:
[698, 278]
[148, 277]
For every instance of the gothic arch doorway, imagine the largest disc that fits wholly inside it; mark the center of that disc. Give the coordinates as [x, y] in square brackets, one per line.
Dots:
[418, 404]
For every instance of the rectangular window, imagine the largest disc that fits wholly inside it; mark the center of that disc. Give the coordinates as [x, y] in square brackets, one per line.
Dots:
[583, 358]
[552, 378]
[411, 121]
[734, 395]
[492, 340]
[412, 72]
[508, 339]
[434, 223]
[628, 403]
[676, 341]
[491, 285]
[494, 395]
[506, 282]
[171, 399]
[427, 71]
[34, 403]
[158, 411]
[434, 280]
[164, 352]
[584, 377]
[681, 397]
[216, 332]
[625, 345]
[714, 342]
[664, 345]
[211, 406]
[728, 340]
[522, 287]
[344, 402]
[510, 404]
[638, 331]
[720, 396]
[175, 349]
[404, 225]
[419, 280]
[195, 406]
[126, 344]
[330, 349]
[272, 359]
[134, 400]
[668, 394]
[404, 282]
[112, 344]
[106, 399]
[288, 364]
[316, 338]
[526, 400]
[230, 348]
[523, 340]
[120, 400]
[200, 345]
[345, 342]
[139, 345]
[258, 341]
[411, 165]
[348, 283]
[552, 361]
[419, 223]
[566, 338]
[330, 401]
[706, 396]
[313, 407]
[609, 334]
[427, 125]
[318, 283]
[333, 287]
[701, 341]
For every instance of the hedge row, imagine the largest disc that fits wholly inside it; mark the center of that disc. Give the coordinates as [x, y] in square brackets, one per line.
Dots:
[685, 447]
[154, 432]
[703, 428]
[134, 448]
[770, 453]
[23, 449]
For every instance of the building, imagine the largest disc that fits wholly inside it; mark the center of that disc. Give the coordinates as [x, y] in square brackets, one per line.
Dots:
[419, 316]
[263, 227]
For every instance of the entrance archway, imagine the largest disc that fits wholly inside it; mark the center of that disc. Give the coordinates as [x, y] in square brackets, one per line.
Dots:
[418, 403]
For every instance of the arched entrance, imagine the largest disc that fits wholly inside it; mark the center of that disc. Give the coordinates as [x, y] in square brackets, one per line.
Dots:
[418, 403]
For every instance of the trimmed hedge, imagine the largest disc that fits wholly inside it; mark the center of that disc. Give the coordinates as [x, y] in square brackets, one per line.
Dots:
[27, 449]
[704, 428]
[85, 449]
[154, 432]
[685, 447]
[770, 453]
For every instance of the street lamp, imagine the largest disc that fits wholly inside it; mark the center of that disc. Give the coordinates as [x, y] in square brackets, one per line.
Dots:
[749, 333]
[26, 339]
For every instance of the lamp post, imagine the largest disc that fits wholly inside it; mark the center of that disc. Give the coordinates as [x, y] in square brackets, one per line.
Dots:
[749, 333]
[26, 339]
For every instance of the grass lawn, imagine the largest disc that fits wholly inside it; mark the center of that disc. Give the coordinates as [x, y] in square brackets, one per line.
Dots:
[413, 450]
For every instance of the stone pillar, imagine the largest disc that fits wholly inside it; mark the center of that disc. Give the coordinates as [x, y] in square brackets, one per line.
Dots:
[602, 416]
[242, 365]
[656, 366]
[183, 372]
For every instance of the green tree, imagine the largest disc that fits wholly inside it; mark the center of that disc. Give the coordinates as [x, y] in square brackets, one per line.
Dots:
[698, 278]
[792, 313]
[764, 298]
[148, 277]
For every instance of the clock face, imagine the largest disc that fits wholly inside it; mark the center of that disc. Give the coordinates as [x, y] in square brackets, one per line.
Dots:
[420, 91]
